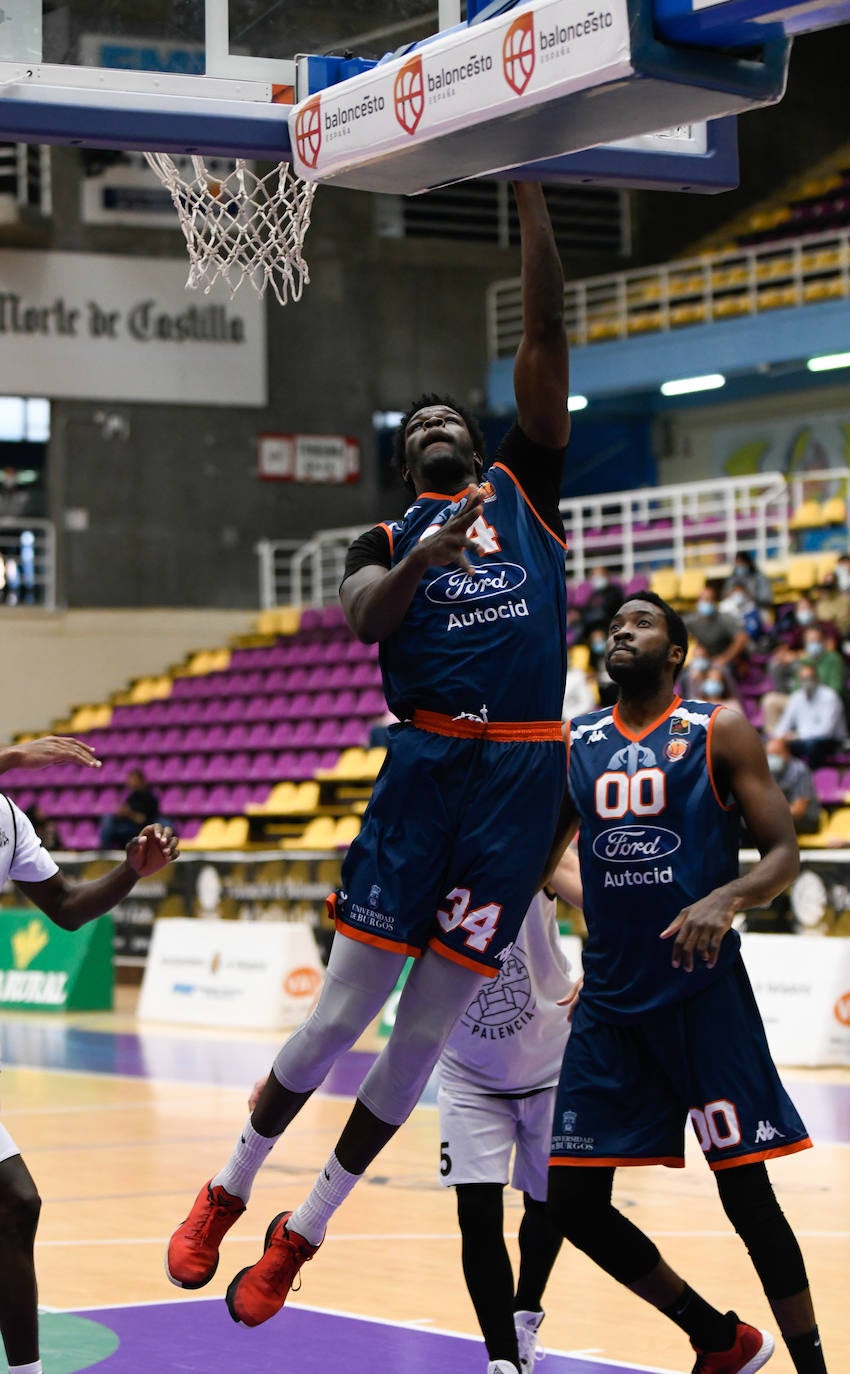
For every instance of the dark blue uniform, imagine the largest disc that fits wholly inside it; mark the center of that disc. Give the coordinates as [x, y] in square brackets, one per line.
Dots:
[462, 817]
[652, 1044]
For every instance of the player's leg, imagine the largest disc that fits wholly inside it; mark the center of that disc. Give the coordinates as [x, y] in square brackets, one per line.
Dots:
[616, 1104]
[20, 1205]
[752, 1207]
[435, 994]
[539, 1239]
[358, 980]
[477, 1135]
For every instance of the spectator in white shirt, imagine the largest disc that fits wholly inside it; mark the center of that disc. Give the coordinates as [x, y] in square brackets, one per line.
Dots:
[813, 722]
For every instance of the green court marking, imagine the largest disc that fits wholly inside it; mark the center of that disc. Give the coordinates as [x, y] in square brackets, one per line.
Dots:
[70, 1343]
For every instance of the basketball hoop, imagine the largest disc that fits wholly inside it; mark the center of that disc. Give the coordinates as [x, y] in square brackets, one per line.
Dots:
[240, 226]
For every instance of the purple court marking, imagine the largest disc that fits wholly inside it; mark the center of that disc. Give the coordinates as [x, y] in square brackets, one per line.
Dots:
[194, 1337]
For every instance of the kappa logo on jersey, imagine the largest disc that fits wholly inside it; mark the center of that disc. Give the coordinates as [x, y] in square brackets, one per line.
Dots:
[458, 586]
[596, 737]
[766, 1132]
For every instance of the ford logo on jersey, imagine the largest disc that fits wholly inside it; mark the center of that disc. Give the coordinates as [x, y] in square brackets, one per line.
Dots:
[630, 844]
[459, 586]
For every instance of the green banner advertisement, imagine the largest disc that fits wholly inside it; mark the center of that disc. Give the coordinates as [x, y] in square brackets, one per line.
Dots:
[43, 968]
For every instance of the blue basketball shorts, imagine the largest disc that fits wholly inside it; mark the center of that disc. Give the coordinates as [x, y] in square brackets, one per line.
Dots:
[628, 1088]
[453, 845]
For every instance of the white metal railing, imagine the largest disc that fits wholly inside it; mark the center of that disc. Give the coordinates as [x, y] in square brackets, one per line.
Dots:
[689, 524]
[27, 562]
[713, 286]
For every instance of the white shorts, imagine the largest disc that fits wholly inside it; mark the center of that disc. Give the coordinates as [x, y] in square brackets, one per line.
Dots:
[479, 1133]
[7, 1144]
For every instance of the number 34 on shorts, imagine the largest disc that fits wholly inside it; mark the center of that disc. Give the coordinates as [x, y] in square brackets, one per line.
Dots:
[480, 924]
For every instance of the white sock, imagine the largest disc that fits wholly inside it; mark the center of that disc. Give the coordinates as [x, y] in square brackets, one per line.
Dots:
[330, 1190]
[34, 1368]
[242, 1168]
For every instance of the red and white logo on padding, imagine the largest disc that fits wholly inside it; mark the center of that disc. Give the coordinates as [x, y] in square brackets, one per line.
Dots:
[518, 53]
[842, 1009]
[308, 131]
[409, 95]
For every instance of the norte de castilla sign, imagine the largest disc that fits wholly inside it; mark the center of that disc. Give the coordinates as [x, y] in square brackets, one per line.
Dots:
[43, 968]
[97, 326]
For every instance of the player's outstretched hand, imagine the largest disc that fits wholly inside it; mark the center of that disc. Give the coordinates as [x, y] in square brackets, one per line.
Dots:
[700, 928]
[571, 999]
[38, 753]
[152, 849]
[450, 542]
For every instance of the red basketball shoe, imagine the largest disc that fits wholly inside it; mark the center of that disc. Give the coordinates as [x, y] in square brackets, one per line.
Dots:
[192, 1255]
[258, 1292]
[751, 1349]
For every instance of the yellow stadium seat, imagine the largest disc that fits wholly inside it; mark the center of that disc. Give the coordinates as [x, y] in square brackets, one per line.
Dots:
[210, 835]
[826, 563]
[691, 583]
[281, 801]
[731, 305]
[307, 797]
[835, 511]
[823, 290]
[801, 574]
[279, 620]
[347, 828]
[807, 515]
[235, 833]
[665, 583]
[578, 658]
[837, 829]
[320, 833]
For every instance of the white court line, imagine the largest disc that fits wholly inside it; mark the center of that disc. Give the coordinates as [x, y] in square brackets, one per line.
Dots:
[391, 1236]
[375, 1321]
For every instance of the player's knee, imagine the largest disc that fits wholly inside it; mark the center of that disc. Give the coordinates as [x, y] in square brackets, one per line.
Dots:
[577, 1202]
[20, 1206]
[480, 1208]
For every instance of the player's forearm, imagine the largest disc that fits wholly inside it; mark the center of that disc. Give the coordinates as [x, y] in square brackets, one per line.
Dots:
[75, 905]
[770, 876]
[378, 607]
[542, 273]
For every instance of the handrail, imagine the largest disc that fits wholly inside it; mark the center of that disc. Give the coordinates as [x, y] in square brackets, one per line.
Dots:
[687, 291]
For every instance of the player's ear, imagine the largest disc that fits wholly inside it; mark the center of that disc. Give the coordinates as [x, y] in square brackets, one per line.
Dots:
[677, 655]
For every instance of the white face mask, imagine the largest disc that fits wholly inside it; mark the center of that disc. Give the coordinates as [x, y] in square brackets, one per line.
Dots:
[776, 764]
[705, 607]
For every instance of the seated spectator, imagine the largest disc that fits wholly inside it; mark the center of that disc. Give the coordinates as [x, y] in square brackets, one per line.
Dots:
[782, 671]
[842, 572]
[606, 689]
[580, 694]
[689, 683]
[819, 648]
[813, 722]
[139, 808]
[604, 601]
[741, 607]
[724, 640]
[797, 785]
[794, 619]
[44, 827]
[716, 687]
[575, 626]
[831, 604]
[746, 574]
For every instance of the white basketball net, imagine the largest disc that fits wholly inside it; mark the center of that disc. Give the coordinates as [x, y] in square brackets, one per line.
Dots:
[240, 226]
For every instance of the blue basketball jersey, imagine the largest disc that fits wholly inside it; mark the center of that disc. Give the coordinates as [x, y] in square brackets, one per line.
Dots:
[654, 837]
[489, 644]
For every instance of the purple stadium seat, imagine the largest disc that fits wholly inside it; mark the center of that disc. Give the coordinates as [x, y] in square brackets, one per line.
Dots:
[638, 583]
[828, 787]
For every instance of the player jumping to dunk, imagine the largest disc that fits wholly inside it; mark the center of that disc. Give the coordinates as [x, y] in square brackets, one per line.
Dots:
[667, 1026]
[466, 596]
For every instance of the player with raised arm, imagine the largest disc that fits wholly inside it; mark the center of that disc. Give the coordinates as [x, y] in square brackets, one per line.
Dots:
[466, 596]
[70, 906]
[667, 1027]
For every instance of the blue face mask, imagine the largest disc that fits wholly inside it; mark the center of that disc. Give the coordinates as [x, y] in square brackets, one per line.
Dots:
[713, 688]
[814, 648]
[706, 607]
[597, 646]
[699, 663]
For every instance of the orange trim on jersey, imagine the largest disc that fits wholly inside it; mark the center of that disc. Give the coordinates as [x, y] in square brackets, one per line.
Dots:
[457, 958]
[388, 532]
[441, 495]
[760, 1155]
[629, 734]
[598, 1162]
[438, 724]
[708, 735]
[518, 485]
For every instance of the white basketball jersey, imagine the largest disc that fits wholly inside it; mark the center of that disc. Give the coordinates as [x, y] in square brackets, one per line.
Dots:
[511, 1037]
[23, 857]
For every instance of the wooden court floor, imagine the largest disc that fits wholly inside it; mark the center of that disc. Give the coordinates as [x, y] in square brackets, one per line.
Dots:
[120, 1126]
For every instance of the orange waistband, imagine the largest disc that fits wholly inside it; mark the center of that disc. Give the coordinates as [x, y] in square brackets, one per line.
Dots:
[463, 728]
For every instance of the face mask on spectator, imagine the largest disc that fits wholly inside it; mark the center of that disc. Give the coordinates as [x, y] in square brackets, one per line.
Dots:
[713, 687]
[598, 582]
[814, 647]
[741, 570]
[842, 574]
[597, 644]
[776, 764]
[699, 662]
[809, 686]
[804, 615]
[705, 607]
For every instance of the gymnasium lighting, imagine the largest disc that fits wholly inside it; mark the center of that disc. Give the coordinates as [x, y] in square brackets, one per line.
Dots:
[576, 403]
[710, 382]
[828, 361]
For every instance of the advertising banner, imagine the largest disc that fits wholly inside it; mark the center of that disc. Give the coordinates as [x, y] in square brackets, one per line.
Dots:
[43, 968]
[802, 987]
[256, 976]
